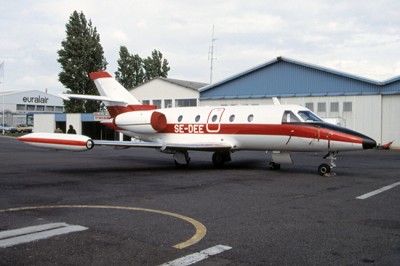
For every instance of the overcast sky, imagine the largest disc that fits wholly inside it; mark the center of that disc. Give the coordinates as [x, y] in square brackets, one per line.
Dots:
[356, 37]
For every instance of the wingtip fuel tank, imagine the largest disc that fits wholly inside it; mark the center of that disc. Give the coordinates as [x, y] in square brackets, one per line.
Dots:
[58, 141]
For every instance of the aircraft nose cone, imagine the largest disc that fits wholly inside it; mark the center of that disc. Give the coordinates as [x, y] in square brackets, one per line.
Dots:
[368, 143]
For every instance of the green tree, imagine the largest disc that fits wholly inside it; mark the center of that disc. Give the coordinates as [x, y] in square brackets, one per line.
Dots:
[156, 66]
[81, 53]
[130, 69]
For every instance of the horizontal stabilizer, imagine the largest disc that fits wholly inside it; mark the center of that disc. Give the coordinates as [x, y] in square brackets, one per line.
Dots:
[93, 97]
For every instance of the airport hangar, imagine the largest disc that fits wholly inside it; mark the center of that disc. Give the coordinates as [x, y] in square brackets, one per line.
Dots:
[20, 106]
[367, 106]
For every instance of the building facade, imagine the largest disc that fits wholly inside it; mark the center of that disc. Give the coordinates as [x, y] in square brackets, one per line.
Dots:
[167, 93]
[364, 105]
[19, 106]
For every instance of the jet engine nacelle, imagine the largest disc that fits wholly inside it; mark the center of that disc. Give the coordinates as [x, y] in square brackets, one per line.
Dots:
[58, 141]
[146, 122]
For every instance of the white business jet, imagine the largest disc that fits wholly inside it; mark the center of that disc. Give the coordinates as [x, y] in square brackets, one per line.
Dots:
[222, 130]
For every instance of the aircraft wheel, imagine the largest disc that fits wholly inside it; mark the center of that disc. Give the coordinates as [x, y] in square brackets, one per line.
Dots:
[218, 159]
[274, 166]
[89, 144]
[324, 169]
[181, 165]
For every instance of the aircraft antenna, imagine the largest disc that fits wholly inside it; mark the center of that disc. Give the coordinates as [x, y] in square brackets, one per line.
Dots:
[211, 55]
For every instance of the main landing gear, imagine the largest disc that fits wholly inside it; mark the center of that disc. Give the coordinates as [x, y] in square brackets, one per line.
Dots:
[326, 169]
[181, 159]
[221, 157]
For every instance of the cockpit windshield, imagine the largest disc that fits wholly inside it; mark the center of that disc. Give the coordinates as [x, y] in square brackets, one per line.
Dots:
[308, 116]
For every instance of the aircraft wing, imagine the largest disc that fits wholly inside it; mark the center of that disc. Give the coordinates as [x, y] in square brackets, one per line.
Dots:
[74, 142]
[165, 146]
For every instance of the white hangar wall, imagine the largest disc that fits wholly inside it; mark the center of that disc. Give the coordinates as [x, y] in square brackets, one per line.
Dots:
[166, 94]
[390, 119]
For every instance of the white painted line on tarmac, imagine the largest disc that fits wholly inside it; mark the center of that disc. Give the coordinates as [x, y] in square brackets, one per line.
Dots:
[198, 256]
[27, 234]
[375, 192]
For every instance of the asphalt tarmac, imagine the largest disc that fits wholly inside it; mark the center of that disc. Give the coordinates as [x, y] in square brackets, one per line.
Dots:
[134, 207]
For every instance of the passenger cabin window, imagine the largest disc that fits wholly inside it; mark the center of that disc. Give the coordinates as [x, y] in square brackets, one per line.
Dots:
[250, 118]
[232, 118]
[308, 116]
[214, 118]
[197, 119]
[180, 118]
[289, 117]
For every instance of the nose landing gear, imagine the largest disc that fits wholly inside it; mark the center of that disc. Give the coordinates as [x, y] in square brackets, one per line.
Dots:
[326, 169]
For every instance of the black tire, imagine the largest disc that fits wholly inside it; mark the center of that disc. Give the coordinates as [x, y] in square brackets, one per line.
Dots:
[181, 166]
[218, 159]
[89, 144]
[324, 169]
[274, 166]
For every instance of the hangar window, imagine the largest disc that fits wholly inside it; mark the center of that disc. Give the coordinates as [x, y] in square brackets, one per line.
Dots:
[185, 102]
[59, 109]
[21, 107]
[197, 119]
[232, 118]
[335, 107]
[146, 102]
[180, 118]
[347, 106]
[168, 103]
[250, 118]
[157, 103]
[310, 106]
[50, 108]
[321, 107]
[30, 107]
[40, 108]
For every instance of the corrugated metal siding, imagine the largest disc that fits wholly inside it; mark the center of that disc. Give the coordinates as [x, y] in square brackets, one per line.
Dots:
[390, 119]
[285, 79]
[391, 88]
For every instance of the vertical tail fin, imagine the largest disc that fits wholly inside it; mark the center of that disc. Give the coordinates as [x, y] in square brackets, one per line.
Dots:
[116, 98]
[112, 89]
[121, 100]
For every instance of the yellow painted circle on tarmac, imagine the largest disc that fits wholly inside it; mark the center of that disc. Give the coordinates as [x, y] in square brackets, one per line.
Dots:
[200, 228]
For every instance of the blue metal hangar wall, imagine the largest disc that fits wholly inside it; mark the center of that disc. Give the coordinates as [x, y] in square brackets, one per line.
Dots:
[371, 107]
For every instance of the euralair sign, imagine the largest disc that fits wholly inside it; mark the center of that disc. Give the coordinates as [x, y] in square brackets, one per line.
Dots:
[37, 99]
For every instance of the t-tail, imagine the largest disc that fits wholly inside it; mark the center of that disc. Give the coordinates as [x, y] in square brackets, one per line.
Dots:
[116, 98]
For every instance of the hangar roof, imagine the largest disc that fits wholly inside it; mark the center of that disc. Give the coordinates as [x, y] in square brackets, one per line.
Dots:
[185, 83]
[182, 83]
[284, 77]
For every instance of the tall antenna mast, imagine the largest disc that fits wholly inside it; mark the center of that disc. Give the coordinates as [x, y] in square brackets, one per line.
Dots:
[211, 55]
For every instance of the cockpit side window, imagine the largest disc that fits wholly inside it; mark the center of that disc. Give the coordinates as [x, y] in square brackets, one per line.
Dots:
[289, 117]
[308, 116]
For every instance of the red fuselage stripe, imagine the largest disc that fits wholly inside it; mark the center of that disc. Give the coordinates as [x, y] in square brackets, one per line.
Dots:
[55, 141]
[302, 131]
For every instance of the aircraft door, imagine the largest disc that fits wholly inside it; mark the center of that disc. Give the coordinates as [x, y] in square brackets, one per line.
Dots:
[214, 120]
